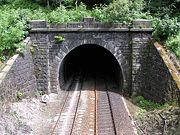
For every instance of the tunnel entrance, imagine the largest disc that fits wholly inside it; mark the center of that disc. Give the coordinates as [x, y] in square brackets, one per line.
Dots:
[90, 62]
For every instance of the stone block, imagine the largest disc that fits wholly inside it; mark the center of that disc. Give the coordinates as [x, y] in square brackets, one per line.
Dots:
[75, 25]
[6, 68]
[38, 24]
[142, 23]
[89, 19]
[2, 75]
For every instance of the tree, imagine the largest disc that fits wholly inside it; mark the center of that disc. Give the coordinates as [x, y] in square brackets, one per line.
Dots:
[92, 3]
[3, 1]
[49, 2]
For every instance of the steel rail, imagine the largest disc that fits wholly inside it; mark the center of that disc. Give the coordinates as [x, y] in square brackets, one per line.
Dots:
[61, 110]
[109, 101]
[81, 82]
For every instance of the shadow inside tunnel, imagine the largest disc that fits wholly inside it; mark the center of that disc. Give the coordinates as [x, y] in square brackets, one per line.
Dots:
[93, 66]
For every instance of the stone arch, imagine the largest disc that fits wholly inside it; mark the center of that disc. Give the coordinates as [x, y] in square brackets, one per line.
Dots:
[69, 45]
[81, 51]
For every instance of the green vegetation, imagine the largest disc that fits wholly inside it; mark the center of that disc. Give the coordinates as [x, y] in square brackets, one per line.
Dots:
[13, 30]
[19, 95]
[146, 105]
[15, 15]
[38, 93]
[167, 32]
[59, 39]
[173, 43]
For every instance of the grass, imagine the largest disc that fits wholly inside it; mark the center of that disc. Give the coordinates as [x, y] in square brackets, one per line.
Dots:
[147, 105]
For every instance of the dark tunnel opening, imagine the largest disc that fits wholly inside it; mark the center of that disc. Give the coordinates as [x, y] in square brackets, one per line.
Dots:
[90, 62]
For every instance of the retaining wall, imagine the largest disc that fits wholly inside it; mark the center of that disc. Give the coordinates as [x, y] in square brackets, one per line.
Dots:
[162, 79]
[18, 76]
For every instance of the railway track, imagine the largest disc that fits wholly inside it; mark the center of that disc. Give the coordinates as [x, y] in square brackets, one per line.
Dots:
[90, 107]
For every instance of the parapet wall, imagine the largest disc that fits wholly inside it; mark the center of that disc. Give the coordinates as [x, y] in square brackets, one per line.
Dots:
[90, 25]
[18, 76]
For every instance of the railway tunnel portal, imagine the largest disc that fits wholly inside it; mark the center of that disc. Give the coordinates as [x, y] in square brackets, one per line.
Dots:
[120, 54]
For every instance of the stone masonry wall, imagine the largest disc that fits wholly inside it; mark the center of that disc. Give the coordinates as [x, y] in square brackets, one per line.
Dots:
[41, 59]
[118, 39]
[18, 76]
[151, 76]
[140, 51]
[161, 86]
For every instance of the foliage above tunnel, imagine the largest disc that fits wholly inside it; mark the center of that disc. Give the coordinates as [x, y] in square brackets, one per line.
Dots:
[16, 13]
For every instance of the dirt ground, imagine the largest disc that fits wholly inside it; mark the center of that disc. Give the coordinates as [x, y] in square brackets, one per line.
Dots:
[28, 116]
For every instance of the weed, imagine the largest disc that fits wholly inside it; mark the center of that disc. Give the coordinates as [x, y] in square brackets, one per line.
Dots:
[146, 104]
[19, 95]
[38, 93]
[59, 39]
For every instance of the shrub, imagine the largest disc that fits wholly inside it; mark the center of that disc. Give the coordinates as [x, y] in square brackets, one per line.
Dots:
[3, 2]
[92, 3]
[38, 14]
[165, 28]
[124, 10]
[115, 11]
[49, 2]
[63, 15]
[59, 15]
[100, 13]
[78, 13]
[146, 104]
[23, 4]
[13, 30]
[173, 43]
